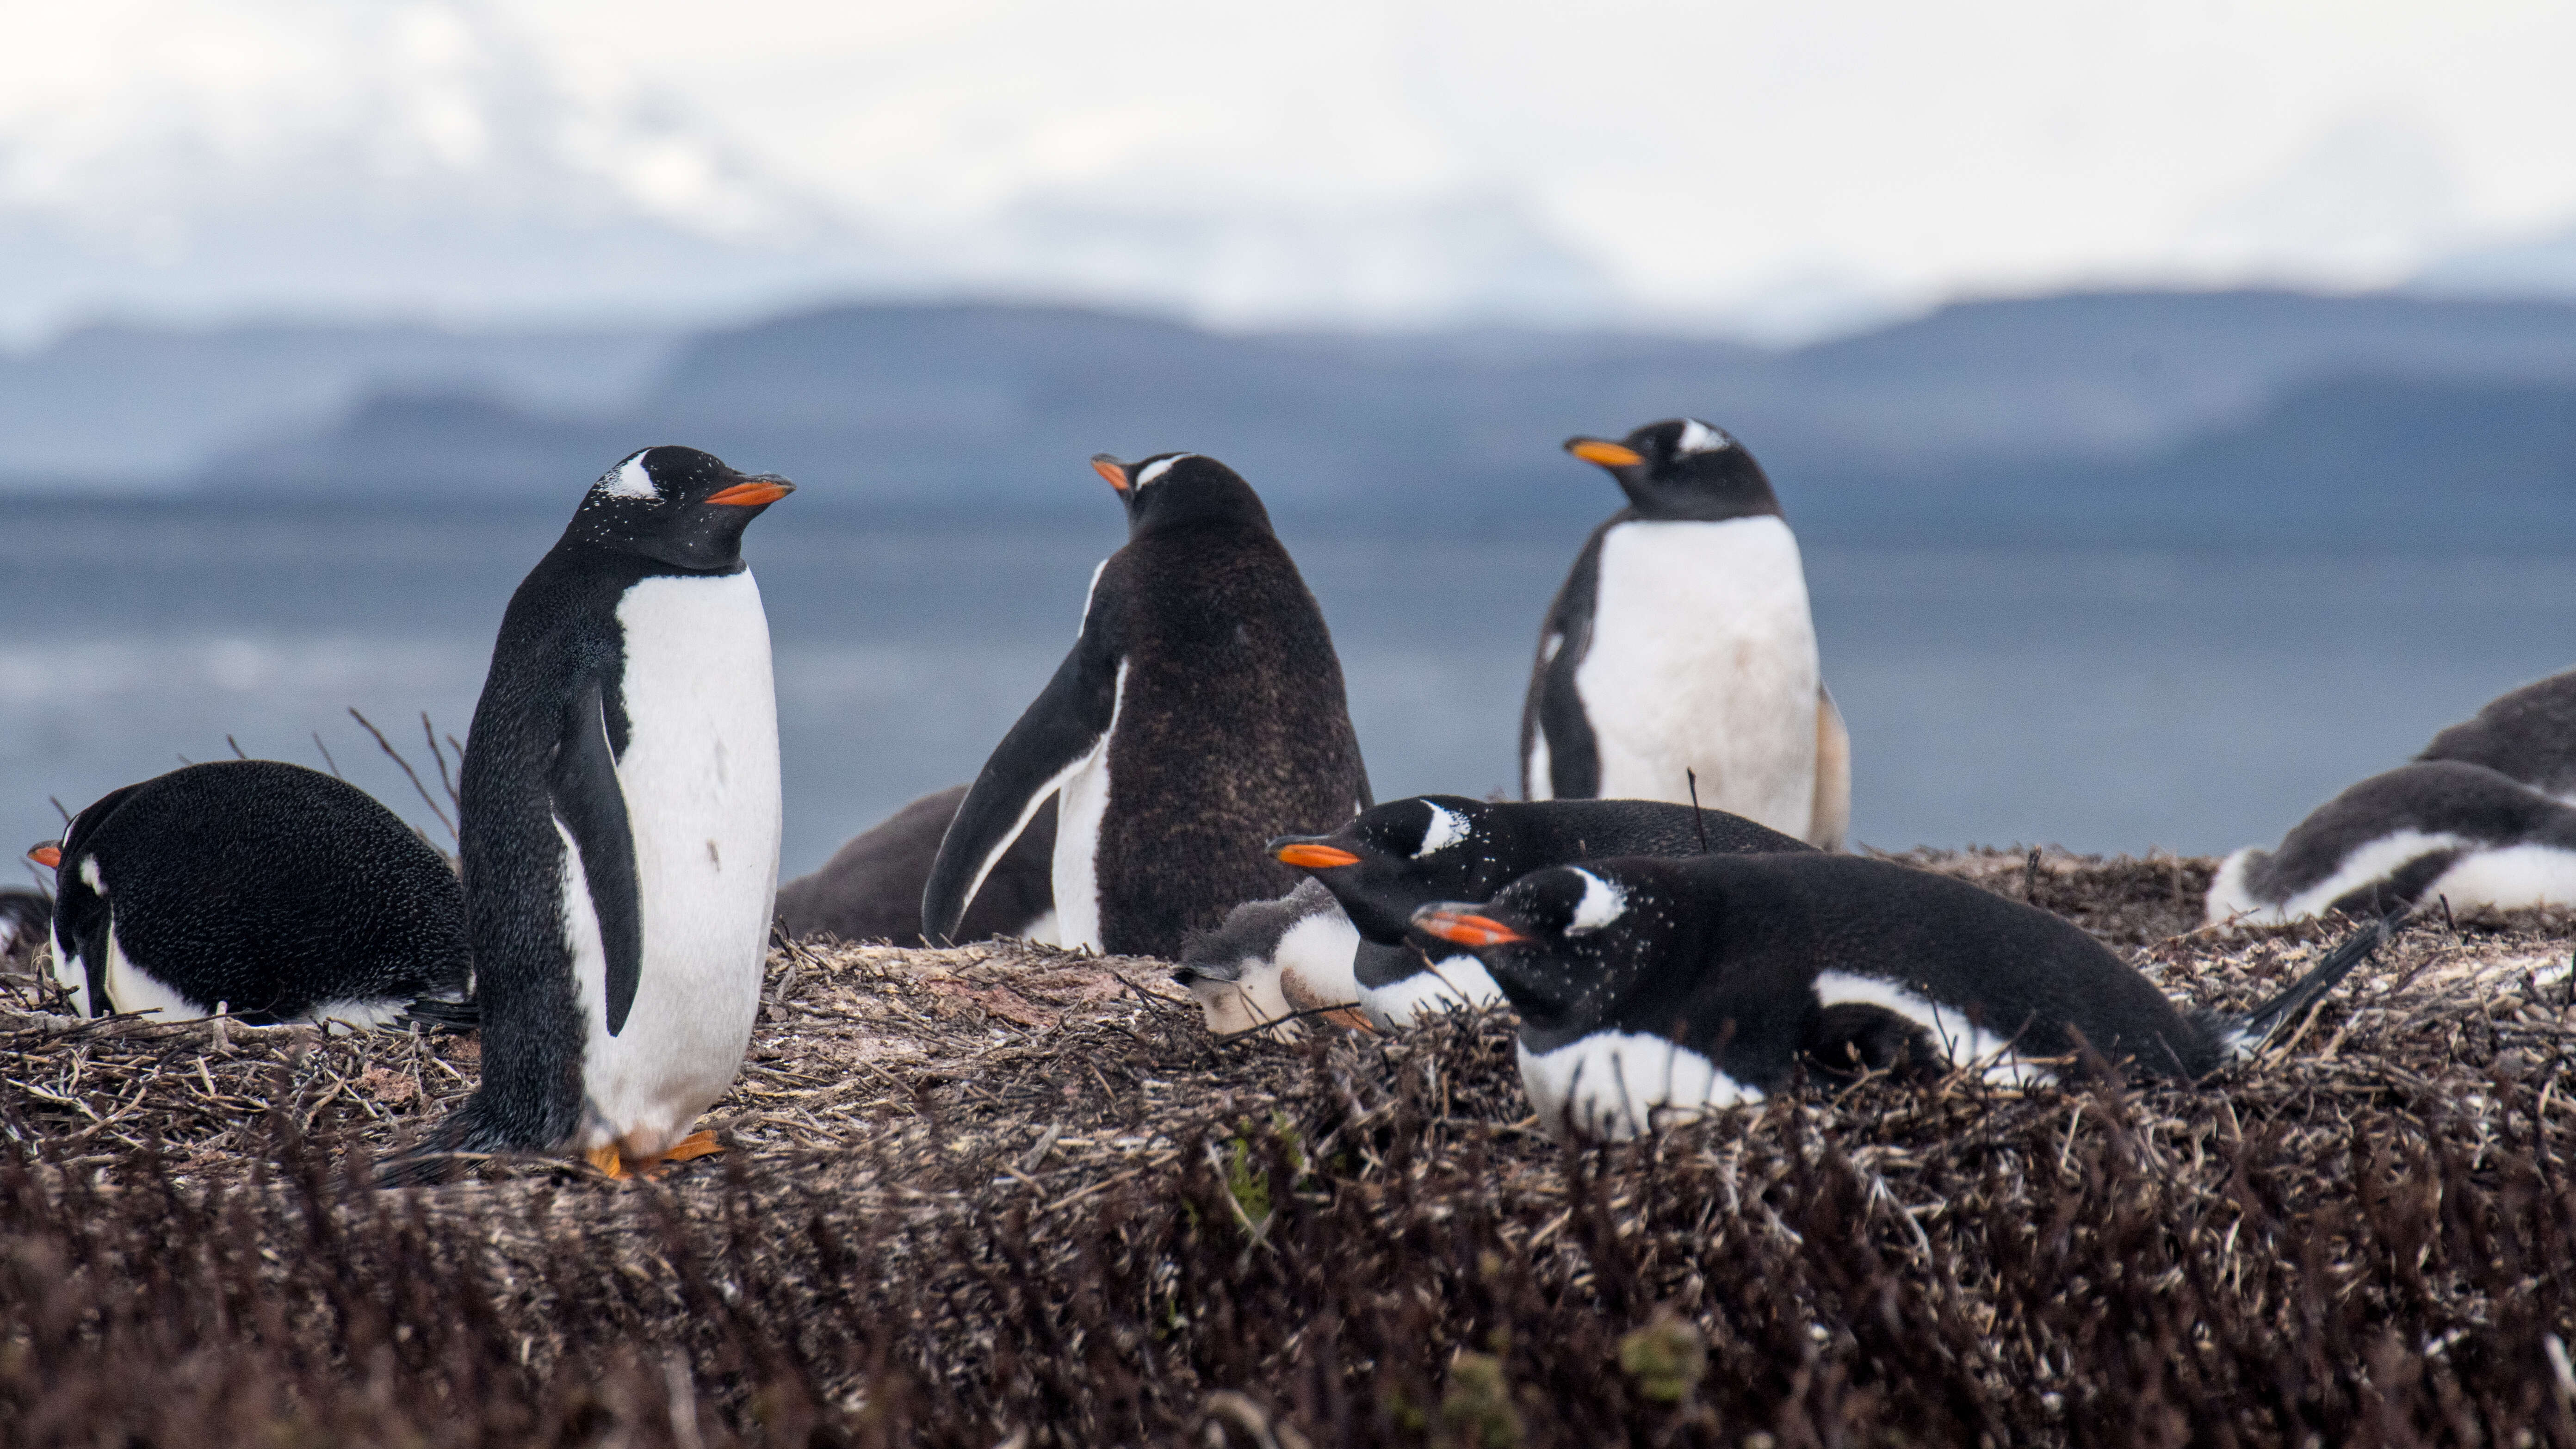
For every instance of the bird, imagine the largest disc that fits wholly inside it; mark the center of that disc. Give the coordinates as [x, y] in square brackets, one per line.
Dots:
[1274, 963]
[620, 823]
[870, 890]
[2528, 735]
[1681, 644]
[25, 916]
[255, 889]
[2444, 830]
[1200, 712]
[1404, 854]
[1651, 987]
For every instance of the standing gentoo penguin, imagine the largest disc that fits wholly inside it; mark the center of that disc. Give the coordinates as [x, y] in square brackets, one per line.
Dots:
[2444, 830]
[2527, 735]
[870, 890]
[267, 890]
[620, 821]
[1686, 984]
[1405, 854]
[1200, 713]
[1274, 962]
[1681, 643]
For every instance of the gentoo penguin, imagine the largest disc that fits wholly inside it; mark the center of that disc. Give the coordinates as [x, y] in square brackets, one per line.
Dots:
[620, 822]
[1648, 984]
[264, 889]
[870, 890]
[1681, 644]
[25, 918]
[1273, 963]
[1200, 713]
[2528, 735]
[1405, 854]
[2444, 830]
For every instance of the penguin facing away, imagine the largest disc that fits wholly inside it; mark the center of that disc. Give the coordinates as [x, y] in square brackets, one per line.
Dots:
[1405, 854]
[620, 822]
[262, 889]
[1647, 987]
[2527, 735]
[1200, 712]
[1273, 963]
[2442, 830]
[870, 890]
[1681, 643]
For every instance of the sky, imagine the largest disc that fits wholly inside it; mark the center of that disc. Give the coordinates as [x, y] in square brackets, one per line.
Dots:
[1767, 170]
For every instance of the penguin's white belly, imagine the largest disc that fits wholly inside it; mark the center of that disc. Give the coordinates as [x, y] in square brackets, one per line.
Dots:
[1081, 803]
[1615, 1085]
[1703, 660]
[1452, 984]
[700, 777]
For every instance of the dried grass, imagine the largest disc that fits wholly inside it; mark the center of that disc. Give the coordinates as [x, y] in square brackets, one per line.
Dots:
[1000, 1195]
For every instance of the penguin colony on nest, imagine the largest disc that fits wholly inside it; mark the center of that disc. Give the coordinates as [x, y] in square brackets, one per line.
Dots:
[1664, 911]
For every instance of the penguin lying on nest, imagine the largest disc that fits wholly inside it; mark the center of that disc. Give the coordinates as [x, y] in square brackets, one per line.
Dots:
[1274, 963]
[1404, 854]
[25, 917]
[620, 826]
[1652, 987]
[2443, 830]
[266, 890]
[870, 890]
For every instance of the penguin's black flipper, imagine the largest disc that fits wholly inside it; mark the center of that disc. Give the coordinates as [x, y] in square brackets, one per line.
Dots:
[1553, 714]
[1056, 734]
[2258, 1025]
[591, 805]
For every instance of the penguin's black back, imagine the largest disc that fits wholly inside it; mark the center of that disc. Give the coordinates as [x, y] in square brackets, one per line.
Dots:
[267, 886]
[2442, 797]
[1756, 931]
[2528, 735]
[870, 890]
[1233, 728]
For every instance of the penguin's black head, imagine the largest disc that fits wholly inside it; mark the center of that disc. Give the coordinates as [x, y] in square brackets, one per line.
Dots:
[677, 506]
[1181, 490]
[1566, 944]
[1683, 469]
[1392, 859]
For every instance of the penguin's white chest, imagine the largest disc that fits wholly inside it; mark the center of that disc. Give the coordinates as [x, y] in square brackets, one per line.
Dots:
[1703, 660]
[700, 779]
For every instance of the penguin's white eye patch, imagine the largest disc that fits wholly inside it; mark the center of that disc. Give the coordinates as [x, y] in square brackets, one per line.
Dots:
[1699, 437]
[629, 479]
[1602, 903]
[1158, 468]
[1446, 829]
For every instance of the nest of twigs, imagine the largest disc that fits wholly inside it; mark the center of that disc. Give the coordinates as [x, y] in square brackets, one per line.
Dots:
[998, 1195]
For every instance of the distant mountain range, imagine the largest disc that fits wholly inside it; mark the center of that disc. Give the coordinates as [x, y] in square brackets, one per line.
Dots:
[2189, 417]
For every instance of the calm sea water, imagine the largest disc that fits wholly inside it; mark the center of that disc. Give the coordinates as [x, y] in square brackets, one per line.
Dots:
[2103, 700]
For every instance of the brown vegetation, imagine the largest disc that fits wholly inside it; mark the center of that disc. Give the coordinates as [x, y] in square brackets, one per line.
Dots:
[1000, 1196]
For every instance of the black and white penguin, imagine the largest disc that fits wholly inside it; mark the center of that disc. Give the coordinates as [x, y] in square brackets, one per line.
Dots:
[870, 890]
[25, 918]
[1646, 986]
[2527, 735]
[1400, 856]
[262, 889]
[1681, 643]
[1274, 963]
[2444, 830]
[620, 822]
[1200, 712]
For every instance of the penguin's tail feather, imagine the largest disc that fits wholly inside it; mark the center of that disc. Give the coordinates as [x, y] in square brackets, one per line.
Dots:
[443, 1013]
[465, 1136]
[2252, 1030]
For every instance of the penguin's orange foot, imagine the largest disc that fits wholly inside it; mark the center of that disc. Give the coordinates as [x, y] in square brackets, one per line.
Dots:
[701, 1143]
[1350, 1016]
[609, 1161]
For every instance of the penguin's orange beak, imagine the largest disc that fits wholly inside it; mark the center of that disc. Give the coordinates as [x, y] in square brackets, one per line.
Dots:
[1305, 855]
[1607, 454]
[1111, 469]
[1464, 928]
[751, 492]
[49, 855]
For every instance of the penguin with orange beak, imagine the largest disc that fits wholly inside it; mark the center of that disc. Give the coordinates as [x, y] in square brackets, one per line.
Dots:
[1681, 645]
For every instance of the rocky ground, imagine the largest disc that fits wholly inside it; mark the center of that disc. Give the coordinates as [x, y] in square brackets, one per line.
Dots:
[1001, 1195]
